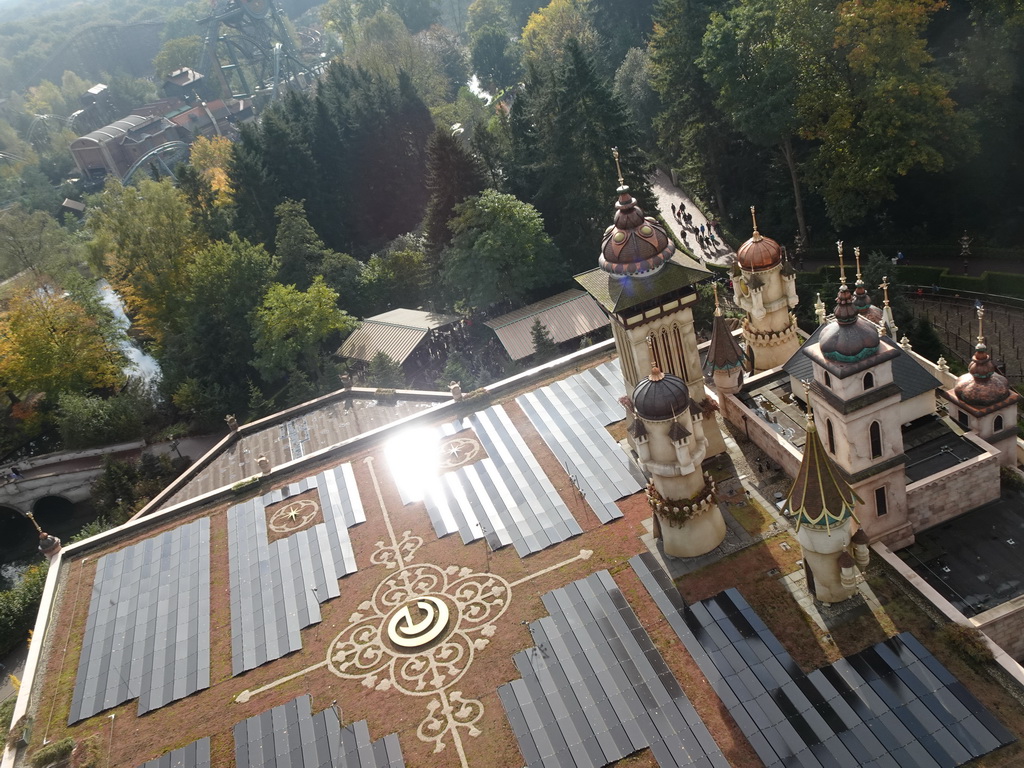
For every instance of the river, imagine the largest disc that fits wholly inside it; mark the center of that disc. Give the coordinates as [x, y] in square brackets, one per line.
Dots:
[141, 365]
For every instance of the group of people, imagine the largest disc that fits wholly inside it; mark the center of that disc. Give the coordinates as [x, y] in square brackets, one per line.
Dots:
[705, 235]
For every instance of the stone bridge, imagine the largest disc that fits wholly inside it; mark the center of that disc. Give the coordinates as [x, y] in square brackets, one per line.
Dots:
[65, 476]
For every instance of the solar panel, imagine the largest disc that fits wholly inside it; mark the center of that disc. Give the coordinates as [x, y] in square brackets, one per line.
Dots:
[145, 635]
[277, 587]
[291, 736]
[893, 703]
[194, 755]
[594, 689]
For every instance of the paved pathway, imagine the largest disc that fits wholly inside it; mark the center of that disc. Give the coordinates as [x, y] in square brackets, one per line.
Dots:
[668, 195]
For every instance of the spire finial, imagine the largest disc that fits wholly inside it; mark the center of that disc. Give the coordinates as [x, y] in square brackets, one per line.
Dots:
[885, 290]
[981, 318]
[32, 518]
[718, 307]
[618, 168]
[842, 267]
[856, 255]
[756, 237]
[810, 408]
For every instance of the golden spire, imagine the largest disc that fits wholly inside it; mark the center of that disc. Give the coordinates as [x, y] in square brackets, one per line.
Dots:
[810, 408]
[981, 317]
[856, 255]
[656, 373]
[885, 290]
[618, 168]
[842, 267]
[756, 237]
[718, 308]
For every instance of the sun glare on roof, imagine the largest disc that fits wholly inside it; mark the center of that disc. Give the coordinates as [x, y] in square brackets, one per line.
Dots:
[413, 459]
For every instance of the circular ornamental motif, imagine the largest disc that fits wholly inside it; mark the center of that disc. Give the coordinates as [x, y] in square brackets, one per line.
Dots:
[294, 516]
[408, 631]
[459, 451]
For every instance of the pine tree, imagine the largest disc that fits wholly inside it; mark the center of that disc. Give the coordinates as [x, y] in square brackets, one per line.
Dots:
[544, 347]
[385, 373]
[453, 174]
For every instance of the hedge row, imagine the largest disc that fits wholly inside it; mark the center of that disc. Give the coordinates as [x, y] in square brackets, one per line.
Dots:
[19, 606]
[994, 283]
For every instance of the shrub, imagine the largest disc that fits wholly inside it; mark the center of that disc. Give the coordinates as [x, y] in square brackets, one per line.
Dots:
[51, 753]
[966, 642]
[86, 420]
[7, 714]
[19, 606]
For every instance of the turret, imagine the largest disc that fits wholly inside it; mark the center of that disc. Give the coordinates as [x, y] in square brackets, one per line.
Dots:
[724, 358]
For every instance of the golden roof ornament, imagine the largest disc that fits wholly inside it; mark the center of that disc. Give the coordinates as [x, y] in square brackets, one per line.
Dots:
[856, 255]
[842, 266]
[885, 290]
[618, 168]
[756, 237]
[981, 318]
[656, 373]
[810, 409]
[718, 307]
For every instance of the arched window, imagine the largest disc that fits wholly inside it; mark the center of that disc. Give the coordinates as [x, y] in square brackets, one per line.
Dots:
[828, 380]
[869, 380]
[831, 436]
[997, 425]
[881, 503]
[876, 439]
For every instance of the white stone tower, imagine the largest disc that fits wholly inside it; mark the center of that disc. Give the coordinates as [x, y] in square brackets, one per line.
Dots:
[766, 290]
[668, 430]
[647, 290]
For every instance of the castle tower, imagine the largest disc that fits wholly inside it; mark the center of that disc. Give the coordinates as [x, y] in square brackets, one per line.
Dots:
[766, 290]
[647, 290]
[669, 432]
[823, 504]
[982, 400]
[860, 409]
[724, 358]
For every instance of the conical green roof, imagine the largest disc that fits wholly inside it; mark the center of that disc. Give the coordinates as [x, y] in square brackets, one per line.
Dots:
[819, 497]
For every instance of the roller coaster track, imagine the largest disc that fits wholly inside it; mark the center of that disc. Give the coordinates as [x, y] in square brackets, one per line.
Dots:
[69, 44]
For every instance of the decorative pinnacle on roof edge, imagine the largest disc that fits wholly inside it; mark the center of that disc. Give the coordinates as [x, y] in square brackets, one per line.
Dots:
[756, 237]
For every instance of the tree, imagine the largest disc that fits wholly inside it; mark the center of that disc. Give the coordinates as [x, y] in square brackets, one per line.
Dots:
[544, 347]
[547, 31]
[212, 157]
[32, 241]
[499, 252]
[453, 174]
[49, 344]
[385, 372]
[291, 327]
[897, 114]
[692, 132]
[299, 251]
[177, 53]
[563, 126]
[395, 276]
[144, 240]
[494, 57]
[633, 89]
[203, 361]
[752, 62]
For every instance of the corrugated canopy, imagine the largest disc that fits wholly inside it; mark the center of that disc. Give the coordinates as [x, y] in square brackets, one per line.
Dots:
[396, 333]
[566, 315]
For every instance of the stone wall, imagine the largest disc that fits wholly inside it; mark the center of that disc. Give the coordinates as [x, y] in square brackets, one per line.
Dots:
[761, 434]
[946, 494]
[1004, 624]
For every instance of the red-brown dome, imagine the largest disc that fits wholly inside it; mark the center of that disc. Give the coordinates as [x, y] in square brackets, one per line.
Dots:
[635, 244]
[982, 385]
[759, 253]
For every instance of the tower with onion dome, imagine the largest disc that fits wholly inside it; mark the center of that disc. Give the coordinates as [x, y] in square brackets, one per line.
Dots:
[765, 288]
[669, 431]
[823, 502]
[860, 409]
[647, 289]
[983, 400]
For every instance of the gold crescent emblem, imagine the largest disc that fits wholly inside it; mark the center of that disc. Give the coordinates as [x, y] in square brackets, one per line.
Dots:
[405, 632]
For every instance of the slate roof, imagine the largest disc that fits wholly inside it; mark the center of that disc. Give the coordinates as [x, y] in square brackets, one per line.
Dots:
[909, 375]
[619, 293]
[724, 352]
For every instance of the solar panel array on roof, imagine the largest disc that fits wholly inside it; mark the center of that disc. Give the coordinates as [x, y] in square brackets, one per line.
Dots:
[277, 587]
[295, 432]
[291, 736]
[194, 755]
[148, 629]
[595, 689]
[889, 706]
[506, 497]
[570, 415]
